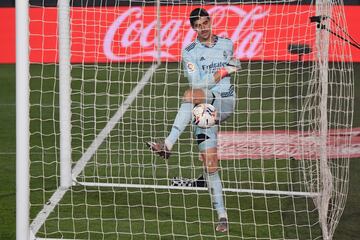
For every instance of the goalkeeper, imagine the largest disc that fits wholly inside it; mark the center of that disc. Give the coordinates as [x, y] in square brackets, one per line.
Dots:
[208, 63]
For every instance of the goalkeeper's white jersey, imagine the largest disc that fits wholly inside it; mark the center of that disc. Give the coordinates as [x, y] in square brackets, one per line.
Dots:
[201, 62]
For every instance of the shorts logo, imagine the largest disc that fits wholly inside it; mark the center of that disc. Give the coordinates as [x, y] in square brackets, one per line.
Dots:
[190, 66]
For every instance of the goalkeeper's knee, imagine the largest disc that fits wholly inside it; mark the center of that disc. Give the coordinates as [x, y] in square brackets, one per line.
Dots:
[195, 96]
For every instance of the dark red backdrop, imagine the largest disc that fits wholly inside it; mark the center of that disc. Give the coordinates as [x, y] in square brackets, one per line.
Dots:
[128, 34]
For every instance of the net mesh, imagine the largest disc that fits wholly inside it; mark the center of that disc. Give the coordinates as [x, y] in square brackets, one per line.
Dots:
[269, 149]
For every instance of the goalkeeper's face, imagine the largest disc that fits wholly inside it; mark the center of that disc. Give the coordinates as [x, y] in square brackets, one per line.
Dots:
[203, 28]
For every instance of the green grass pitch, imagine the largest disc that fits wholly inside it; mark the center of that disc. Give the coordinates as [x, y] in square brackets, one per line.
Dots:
[130, 204]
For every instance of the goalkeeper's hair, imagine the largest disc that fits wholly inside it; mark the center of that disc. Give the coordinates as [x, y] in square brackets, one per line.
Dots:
[196, 14]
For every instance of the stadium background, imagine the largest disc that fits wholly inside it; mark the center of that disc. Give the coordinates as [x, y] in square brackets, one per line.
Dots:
[347, 229]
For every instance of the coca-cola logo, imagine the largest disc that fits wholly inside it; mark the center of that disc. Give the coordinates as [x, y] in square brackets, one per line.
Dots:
[130, 29]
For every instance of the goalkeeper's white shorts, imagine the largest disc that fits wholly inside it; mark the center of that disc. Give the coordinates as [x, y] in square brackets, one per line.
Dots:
[225, 106]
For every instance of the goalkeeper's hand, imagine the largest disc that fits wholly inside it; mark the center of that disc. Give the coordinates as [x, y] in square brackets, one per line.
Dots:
[231, 67]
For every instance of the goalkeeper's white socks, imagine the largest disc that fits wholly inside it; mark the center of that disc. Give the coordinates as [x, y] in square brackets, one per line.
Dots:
[182, 119]
[215, 188]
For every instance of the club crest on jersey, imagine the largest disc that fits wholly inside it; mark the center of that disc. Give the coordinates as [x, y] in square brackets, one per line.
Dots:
[225, 54]
[190, 66]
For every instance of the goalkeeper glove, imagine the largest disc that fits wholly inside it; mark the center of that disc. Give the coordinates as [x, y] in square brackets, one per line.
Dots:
[232, 66]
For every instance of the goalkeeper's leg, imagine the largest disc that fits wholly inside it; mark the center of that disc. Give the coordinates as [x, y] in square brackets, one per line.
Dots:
[191, 97]
[183, 117]
[207, 141]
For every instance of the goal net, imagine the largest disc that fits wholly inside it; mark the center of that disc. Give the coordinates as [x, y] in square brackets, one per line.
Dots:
[113, 80]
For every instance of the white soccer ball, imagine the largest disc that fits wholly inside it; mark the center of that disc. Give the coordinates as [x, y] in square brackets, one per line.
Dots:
[204, 115]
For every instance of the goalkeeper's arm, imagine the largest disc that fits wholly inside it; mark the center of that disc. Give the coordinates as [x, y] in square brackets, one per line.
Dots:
[232, 67]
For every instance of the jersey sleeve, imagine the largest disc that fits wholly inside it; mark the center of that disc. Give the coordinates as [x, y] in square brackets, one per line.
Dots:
[231, 55]
[193, 73]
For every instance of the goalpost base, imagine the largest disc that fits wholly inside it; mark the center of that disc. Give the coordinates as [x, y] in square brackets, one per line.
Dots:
[165, 187]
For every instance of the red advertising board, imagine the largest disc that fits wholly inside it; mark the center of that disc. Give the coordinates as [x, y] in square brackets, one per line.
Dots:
[7, 35]
[259, 32]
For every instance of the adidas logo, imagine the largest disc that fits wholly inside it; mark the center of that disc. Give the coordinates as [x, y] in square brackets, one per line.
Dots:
[202, 59]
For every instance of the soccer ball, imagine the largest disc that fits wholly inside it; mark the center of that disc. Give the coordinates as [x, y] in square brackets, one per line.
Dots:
[204, 115]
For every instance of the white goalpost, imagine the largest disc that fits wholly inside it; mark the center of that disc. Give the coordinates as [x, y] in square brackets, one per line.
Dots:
[98, 80]
[22, 123]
